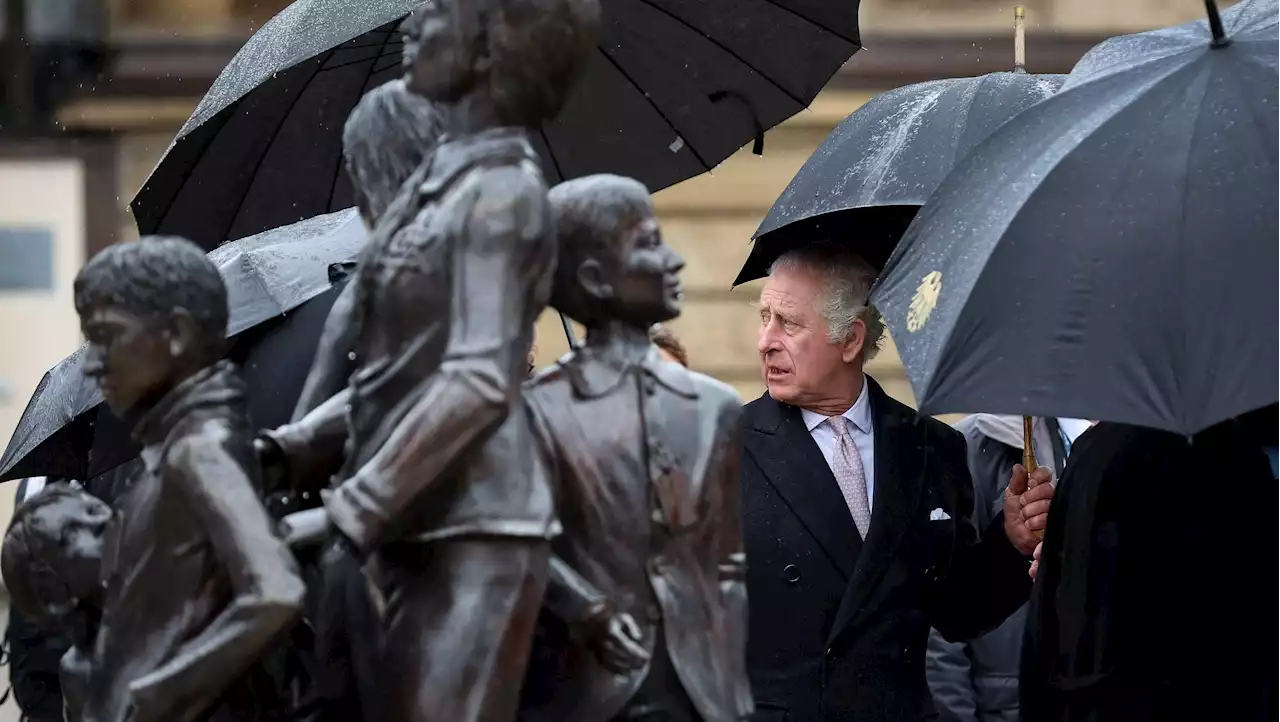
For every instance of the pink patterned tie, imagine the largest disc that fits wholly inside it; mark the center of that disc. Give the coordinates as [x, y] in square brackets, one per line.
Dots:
[850, 475]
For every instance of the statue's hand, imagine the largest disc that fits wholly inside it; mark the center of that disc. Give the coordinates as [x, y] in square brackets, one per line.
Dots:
[274, 463]
[617, 644]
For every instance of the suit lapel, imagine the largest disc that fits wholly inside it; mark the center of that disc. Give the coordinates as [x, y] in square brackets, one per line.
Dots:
[781, 446]
[899, 470]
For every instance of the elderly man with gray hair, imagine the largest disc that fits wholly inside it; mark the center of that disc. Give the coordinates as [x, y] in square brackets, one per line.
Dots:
[856, 513]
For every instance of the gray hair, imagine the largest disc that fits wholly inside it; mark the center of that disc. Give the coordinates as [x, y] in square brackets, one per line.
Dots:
[847, 282]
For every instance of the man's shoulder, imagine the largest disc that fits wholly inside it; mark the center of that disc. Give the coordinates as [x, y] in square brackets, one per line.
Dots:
[759, 405]
[930, 431]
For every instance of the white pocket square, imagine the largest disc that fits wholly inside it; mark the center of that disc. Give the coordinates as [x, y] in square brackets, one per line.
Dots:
[938, 515]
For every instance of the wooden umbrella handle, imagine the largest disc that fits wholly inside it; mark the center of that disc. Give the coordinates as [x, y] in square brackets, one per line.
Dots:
[1029, 455]
[1028, 445]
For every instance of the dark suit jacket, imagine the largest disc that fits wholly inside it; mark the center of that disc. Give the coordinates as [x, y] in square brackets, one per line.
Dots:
[838, 626]
[647, 490]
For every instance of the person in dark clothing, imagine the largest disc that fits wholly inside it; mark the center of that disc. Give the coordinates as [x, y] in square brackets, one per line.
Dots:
[856, 514]
[977, 680]
[1151, 603]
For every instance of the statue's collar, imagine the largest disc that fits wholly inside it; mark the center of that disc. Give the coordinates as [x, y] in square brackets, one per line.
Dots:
[215, 385]
[455, 156]
[594, 375]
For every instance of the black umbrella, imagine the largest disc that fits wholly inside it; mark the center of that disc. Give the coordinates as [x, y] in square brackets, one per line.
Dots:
[870, 176]
[280, 289]
[676, 87]
[1111, 253]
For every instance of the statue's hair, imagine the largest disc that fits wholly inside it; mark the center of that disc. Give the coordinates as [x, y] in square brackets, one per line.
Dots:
[151, 277]
[386, 137]
[31, 554]
[537, 47]
[591, 213]
[847, 285]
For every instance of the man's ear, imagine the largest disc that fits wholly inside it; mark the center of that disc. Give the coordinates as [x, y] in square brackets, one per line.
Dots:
[184, 333]
[852, 348]
[591, 279]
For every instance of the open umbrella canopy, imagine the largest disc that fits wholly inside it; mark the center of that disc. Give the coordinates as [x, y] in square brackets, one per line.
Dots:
[676, 87]
[868, 179]
[1111, 252]
[271, 280]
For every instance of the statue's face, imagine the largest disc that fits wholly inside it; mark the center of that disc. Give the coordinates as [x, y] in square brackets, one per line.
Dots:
[79, 523]
[440, 51]
[131, 359]
[82, 520]
[646, 276]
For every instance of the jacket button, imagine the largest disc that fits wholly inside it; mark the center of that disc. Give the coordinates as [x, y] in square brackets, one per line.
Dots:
[831, 654]
[791, 573]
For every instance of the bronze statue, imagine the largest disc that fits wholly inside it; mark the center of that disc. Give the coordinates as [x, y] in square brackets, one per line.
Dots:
[385, 140]
[196, 583]
[649, 571]
[52, 566]
[438, 472]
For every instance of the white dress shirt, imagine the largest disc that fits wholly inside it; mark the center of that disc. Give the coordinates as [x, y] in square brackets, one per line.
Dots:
[860, 431]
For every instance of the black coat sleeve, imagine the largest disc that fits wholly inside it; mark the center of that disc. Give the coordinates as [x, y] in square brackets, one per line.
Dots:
[986, 579]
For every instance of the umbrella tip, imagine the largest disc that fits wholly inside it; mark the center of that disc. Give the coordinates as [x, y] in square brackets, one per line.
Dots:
[1220, 38]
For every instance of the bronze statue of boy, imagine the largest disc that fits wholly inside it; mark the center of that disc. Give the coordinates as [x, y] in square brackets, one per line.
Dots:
[196, 583]
[52, 566]
[438, 472]
[644, 454]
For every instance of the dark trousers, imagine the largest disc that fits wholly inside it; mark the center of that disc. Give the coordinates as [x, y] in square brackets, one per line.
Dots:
[459, 623]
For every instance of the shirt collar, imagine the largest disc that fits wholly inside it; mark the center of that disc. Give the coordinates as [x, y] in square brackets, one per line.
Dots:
[859, 414]
[1073, 428]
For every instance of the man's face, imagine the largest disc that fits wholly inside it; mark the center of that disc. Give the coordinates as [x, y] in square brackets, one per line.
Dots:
[439, 52]
[646, 280]
[799, 363]
[128, 357]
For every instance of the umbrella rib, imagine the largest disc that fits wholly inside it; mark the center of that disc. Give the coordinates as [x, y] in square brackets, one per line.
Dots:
[262, 158]
[722, 46]
[555, 164]
[653, 105]
[815, 23]
[373, 63]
